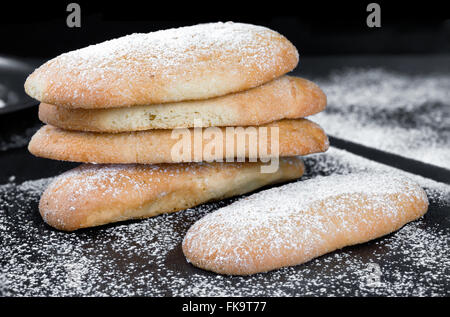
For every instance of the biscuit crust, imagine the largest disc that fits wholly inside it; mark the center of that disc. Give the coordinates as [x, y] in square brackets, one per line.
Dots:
[284, 98]
[189, 63]
[296, 137]
[93, 195]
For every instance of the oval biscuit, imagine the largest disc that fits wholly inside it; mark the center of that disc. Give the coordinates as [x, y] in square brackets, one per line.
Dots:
[295, 223]
[188, 63]
[93, 195]
[284, 98]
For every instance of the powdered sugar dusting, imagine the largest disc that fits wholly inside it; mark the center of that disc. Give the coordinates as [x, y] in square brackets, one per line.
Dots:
[172, 47]
[403, 114]
[111, 178]
[164, 66]
[94, 187]
[145, 257]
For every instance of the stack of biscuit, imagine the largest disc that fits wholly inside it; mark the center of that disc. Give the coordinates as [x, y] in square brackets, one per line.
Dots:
[123, 108]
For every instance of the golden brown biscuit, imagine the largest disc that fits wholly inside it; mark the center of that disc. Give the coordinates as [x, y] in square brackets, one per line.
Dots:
[189, 63]
[286, 97]
[92, 195]
[296, 137]
[295, 223]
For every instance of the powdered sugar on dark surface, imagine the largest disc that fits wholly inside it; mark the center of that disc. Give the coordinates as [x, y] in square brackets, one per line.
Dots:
[145, 257]
[405, 114]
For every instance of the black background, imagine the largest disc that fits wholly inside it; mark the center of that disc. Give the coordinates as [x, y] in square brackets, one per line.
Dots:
[38, 29]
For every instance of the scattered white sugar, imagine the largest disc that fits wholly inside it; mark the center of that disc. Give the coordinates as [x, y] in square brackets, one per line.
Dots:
[7, 96]
[145, 257]
[3, 95]
[403, 114]
[35, 187]
[17, 139]
[336, 161]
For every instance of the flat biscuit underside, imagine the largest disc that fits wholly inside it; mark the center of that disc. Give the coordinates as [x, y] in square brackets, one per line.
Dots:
[284, 98]
[92, 195]
[295, 137]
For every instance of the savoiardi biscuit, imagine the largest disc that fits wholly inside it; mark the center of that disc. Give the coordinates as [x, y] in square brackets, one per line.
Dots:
[283, 98]
[92, 195]
[188, 63]
[295, 223]
[289, 137]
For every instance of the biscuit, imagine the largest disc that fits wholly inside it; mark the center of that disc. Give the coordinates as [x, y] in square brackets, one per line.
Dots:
[189, 63]
[286, 97]
[295, 223]
[93, 195]
[295, 137]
